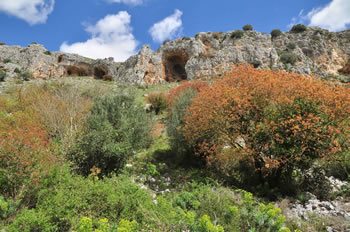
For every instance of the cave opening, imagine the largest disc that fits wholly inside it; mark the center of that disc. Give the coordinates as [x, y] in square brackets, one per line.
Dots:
[100, 72]
[175, 67]
[80, 70]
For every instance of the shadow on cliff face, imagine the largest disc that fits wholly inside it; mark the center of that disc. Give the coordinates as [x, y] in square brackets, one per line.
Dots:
[346, 69]
[101, 72]
[174, 65]
[80, 69]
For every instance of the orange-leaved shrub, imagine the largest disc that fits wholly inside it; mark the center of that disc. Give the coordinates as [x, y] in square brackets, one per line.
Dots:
[279, 123]
[24, 149]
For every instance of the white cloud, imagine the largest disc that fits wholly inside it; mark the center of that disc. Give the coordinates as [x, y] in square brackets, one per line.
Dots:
[110, 37]
[167, 28]
[335, 16]
[32, 11]
[127, 2]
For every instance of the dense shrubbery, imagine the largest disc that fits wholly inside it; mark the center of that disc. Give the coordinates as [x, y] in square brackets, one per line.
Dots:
[24, 149]
[298, 28]
[286, 122]
[115, 130]
[247, 27]
[275, 33]
[287, 57]
[237, 34]
[62, 109]
[179, 99]
[71, 202]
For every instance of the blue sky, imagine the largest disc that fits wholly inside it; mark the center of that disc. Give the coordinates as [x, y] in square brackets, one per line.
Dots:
[55, 22]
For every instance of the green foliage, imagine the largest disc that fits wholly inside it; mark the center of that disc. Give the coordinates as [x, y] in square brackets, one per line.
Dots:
[2, 75]
[116, 129]
[87, 224]
[275, 33]
[151, 170]
[339, 167]
[25, 75]
[127, 226]
[288, 58]
[205, 225]
[237, 34]
[7, 60]
[291, 46]
[187, 201]
[4, 208]
[247, 27]
[48, 53]
[176, 120]
[32, 220]
[2, 43]
[17, 70]
[299, 28]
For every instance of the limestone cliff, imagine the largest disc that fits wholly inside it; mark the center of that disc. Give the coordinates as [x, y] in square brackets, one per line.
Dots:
[314, 51]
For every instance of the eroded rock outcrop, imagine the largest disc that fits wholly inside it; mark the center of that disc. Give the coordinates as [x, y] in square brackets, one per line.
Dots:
[207, 55]
[315, 51]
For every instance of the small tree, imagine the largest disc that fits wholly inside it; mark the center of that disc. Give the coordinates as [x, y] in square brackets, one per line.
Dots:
[25, 75]
[237, 34]
[299, 28]
[247, 27]
[288, 58]
[115, 129]
[275, 33]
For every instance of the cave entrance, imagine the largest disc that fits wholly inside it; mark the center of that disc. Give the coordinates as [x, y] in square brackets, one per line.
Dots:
[78, 70]
[175, 67]
[100, 72]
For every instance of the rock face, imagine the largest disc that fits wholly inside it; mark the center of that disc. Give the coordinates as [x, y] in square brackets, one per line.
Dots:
[44, 64]
[207, 55]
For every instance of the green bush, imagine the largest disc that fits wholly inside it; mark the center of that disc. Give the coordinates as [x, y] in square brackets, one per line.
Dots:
[87, 224]
[247, 27]
[275, 33]
[115, 130]
[25, 75]
[48, 53]
[288, 58]
[175, 122]
[339, 167]
[291, 46]
[299, 28]
[7, 60]
[237, 34]
[32, 220]
[2, 75]
[315, 182]
[127, 226]
[2, 43]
